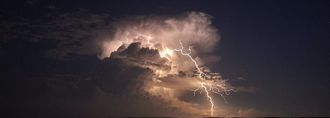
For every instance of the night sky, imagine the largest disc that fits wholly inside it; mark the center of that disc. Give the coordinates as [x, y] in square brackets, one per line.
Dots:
[279, 49]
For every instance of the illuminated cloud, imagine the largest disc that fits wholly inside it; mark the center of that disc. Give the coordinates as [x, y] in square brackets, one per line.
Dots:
[168, 47]
[193, 28]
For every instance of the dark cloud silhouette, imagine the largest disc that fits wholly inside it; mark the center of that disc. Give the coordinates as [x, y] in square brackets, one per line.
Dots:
[113, 89]
[65, 34]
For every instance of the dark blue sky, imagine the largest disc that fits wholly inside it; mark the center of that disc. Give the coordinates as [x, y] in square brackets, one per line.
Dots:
[280, 47]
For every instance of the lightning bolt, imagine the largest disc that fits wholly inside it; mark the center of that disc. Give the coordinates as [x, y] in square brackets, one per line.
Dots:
[209, 97]
[216, 86]
[209, 82]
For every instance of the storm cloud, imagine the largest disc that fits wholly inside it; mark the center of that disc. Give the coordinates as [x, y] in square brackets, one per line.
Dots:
[131, 52]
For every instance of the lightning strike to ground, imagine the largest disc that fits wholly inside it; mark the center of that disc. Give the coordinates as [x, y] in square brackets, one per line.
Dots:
[213, 86]
[209, 82]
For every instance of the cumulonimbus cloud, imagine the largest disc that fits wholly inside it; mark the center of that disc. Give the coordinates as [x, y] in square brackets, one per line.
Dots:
[139, 58]
[168, 47]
